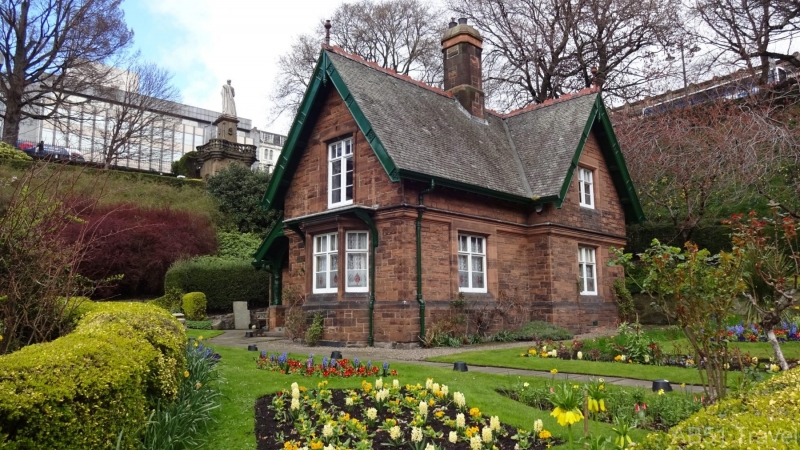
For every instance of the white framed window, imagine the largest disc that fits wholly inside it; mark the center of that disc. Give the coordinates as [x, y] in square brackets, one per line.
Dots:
[587, 270]
[357, 257]
[326, 263]
[586, 187]
[471, 263]
[340, 173]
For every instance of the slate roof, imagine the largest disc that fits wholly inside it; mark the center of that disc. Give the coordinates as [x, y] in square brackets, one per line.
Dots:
[426, 131]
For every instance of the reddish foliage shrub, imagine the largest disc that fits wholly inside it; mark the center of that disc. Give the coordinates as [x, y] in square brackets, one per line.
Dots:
[140, 244]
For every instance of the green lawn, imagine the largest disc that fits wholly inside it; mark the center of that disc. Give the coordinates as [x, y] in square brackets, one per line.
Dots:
[234, 427]
[758, 349]
[207, 334]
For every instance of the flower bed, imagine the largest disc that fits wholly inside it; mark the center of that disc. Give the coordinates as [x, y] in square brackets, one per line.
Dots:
[384, 414]
[657, 411]
[343, 368]
[752, 332]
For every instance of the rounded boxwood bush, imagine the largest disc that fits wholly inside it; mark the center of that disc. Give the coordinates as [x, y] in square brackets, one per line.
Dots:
[9, 152]
[194, 305]
[83, 389]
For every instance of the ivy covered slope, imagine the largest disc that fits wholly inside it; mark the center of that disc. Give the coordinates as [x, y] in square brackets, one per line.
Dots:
[765, 417]
[82, 390]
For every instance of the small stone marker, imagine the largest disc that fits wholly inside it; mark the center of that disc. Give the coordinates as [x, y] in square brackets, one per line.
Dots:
[241, 316]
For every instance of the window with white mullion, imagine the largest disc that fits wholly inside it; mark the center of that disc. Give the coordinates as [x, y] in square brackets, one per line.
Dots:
[586, 187]
[357, 257]
[471, 263]
[587, 270]
[326, 263]
[340, 173]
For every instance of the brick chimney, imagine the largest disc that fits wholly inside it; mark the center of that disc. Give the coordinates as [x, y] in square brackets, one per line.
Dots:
[461, 47]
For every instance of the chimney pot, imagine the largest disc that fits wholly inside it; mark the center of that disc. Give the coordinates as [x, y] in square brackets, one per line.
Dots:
[462, 21]
[452, 22]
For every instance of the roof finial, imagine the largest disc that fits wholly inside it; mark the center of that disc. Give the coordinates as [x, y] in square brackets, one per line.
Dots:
[327, 33]
[594, 86]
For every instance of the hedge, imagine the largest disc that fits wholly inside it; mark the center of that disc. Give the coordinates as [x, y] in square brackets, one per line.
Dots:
[223, 280]
[194, 305]
[763, 418]
[83, 389]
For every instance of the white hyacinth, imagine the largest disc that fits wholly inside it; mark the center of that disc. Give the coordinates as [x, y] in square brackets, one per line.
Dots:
[295, 393]
[379, 383]
[580, 355]
[372, 414]
[295, 404]
[430, 447]
[646, 358]
[461, 422]
[553, 353]
[435, 387]
[445, 390]
[348, 401]
[453, 437]
[295, 386]
[396, 384]
[475, 443]
[423, 408]
[459, 400]
[538, 425]
[416, 434]
[382, 395]
[623, 358]
[394, 433]
[486, 434]
[329, 447]
[494, 423]
[429, 383]
[327, 430]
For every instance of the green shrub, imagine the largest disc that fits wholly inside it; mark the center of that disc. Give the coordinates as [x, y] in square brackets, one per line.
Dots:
[233, 244]
[223, 280]
[542, 331]
[198, 324]
[187, 165]
[172, 300]
[9, 152]
[763, 418]
[194, 305]
[625, 306]
[314, 332]
[83, 389]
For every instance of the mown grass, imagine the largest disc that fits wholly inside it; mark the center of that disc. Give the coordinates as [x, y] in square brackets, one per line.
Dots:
[234, 426]
[207, 334]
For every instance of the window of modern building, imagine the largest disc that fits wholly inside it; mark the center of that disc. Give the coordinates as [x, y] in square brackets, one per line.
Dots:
[326, 263]
[471, 263]
[357, 261]
[587, 271]
[340, 173]
[586, 187]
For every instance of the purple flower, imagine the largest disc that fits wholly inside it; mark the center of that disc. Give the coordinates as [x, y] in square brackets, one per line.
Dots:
[263, 354]
[356, 363]
[386, 365]
[324, 362]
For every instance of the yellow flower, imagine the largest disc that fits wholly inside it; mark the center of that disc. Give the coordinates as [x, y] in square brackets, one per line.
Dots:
[199, 338]
[471, 431]
[683, 385]
[439, 414]
[316, 445]
[474, 412]
[567, 417]
[198, 385]
[195, 343]
[544, 434]
[186, 374]
[554, 371]
[660, 392]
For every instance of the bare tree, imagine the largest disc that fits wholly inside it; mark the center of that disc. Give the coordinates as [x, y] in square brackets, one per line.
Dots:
[50, 47]
[689, 163]
[140, 114]
[749, 30]
[538, 49]
[401, 35]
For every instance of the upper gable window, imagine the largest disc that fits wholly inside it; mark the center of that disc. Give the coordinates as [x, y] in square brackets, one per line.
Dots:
[340, 173]
[586, 187]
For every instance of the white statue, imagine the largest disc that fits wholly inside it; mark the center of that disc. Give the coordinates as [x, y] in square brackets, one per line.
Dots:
[228, 106]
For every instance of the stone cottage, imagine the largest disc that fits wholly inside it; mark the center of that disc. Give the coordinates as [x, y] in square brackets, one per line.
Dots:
[397, 198]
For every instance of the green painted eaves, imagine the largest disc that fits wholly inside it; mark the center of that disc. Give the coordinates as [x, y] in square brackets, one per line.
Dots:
[260, 256]
[324, 72]
[600, 123]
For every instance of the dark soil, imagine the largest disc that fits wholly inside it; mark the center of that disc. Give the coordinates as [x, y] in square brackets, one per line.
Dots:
[268, 430]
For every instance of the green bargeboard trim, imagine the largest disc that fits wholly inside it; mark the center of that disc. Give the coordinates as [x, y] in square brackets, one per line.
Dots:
[261, 254]
[620, 177]
[324, 71]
